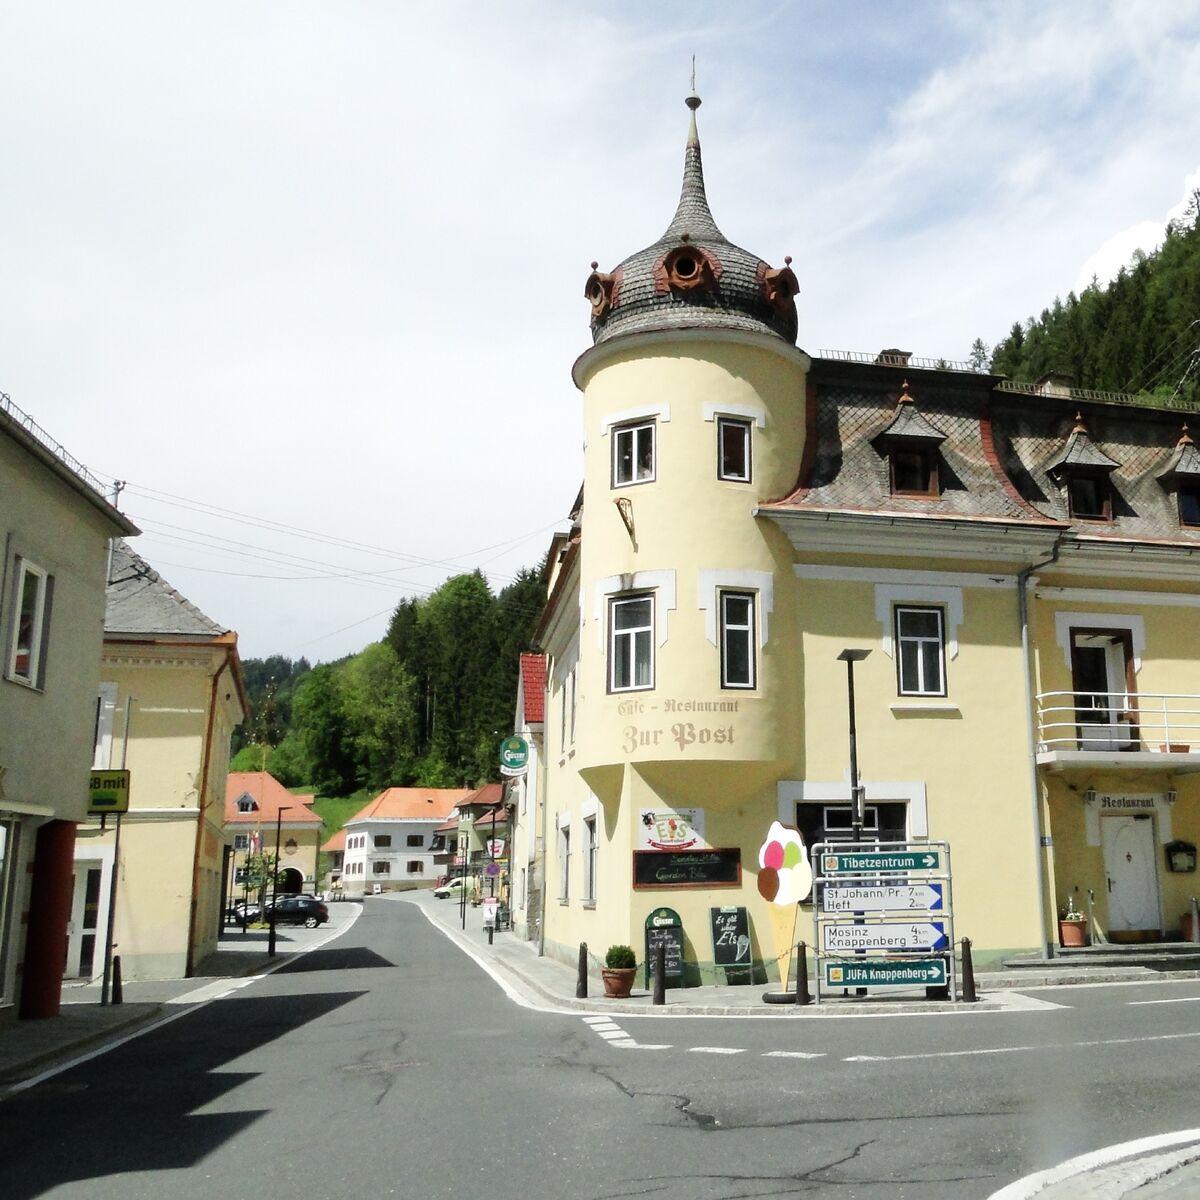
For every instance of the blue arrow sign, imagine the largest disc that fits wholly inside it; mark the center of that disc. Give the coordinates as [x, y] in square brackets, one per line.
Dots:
[898, 936]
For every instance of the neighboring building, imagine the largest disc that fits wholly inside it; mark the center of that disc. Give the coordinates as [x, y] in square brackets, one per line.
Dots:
[444, 845]
[171, 694]
[254, 802]
[527, 854]
[476, 823]
[56, 526]
[390, 842]
[336, 849]
[750, 511]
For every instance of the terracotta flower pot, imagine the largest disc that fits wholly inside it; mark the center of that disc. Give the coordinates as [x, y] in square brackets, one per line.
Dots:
[1072, 933]
[618, 981]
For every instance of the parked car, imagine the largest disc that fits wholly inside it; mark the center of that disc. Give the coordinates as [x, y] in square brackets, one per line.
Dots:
[249, 907]
[453, 888]
[297, 910]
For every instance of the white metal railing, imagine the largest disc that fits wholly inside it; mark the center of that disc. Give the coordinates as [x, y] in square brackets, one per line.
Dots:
[18, 415]
[1162, 722]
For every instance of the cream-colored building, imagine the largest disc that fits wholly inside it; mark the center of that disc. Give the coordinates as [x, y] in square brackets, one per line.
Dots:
[528, 857]
[171, 693]
[1018, 560]
[55, 524]
[257, 806]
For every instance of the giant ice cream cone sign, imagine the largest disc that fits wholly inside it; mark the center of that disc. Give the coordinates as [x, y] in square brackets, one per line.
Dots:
[785, 879]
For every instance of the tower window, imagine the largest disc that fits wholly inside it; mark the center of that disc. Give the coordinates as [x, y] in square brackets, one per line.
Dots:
[633, 454]
[737, 640]
[913, 471]
[631, 644]
[733, 450]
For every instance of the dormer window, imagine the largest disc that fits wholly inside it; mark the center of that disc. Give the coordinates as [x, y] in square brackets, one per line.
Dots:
[1189, 504]
[1183, 474]
[1089, 497]
[247, 804]
[913, 471]
[911, 442]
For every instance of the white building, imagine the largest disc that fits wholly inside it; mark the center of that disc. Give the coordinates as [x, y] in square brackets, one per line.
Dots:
[390, 841]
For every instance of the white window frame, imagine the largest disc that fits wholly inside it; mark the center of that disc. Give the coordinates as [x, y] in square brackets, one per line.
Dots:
[381, 866]
[614, 603]
[241, 841]
[590, 847]
[921, 688]
[414, 866]
[106, 709]
[382, 841]
[748, 631]
[564, 864]
[631, 430]
[418, 844]
[33, 679]
[571, 683]
[746, 427]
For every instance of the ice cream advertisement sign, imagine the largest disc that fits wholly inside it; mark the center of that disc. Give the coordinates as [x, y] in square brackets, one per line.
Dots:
[671, 829]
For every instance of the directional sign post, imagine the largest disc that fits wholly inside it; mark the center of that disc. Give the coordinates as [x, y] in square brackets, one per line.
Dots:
[888, 897]
[905, 937]
[877, 972]
[880, 862]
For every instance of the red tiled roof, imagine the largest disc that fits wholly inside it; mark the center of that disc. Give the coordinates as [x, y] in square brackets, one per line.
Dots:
[489, 795]
[336, 844]
[411, 804]
[450, 826]
[492, 819]
[533, 687]
[270, 795]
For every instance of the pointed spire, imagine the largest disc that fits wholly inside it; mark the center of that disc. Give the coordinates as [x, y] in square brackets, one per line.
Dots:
[693, 215]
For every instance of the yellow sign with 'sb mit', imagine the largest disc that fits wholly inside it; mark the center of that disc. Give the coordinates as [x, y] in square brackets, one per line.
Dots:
[108, 792]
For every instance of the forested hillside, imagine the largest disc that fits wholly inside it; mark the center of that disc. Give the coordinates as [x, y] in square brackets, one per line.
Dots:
[426, 706]
[1139, 334]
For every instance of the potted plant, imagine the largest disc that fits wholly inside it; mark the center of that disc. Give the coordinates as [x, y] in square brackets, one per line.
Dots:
[620, 968]
[1072, 925]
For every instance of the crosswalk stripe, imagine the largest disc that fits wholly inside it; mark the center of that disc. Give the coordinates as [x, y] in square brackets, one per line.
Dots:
[716, 1050]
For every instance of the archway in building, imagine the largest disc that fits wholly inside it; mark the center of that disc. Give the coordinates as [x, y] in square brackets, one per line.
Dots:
[291, 881]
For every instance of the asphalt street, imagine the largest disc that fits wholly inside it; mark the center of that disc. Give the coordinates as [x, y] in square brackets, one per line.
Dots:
[388, 1063]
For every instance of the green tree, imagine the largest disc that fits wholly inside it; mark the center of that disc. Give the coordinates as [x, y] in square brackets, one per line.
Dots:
[379, 702]
[979, 355]
[320, 722]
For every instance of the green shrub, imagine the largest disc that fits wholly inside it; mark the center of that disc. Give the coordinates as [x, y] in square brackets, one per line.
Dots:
[620, 958]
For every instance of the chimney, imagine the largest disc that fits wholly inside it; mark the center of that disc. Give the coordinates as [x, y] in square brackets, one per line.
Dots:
[893, 358]
[1054, 383]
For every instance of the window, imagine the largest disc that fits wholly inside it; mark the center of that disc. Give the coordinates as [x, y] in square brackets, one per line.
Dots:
[737, 640]
[381, 868]
[733, 450]
[241, 841]
[384, 840]
[631, 650]
[571, 723]
[106, 707]
[589, 861]
[247, 804]
[633, 454]
[920, 657]
[564, 864]
[416, 866]
[834, 823]
[1088, 497]
[523, 894]
[913, 471]
[413, 839]
[1189, 504]
[31, 624]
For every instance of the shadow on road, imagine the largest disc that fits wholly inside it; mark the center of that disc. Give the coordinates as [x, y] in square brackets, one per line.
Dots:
[353, 958]
[133, 1109]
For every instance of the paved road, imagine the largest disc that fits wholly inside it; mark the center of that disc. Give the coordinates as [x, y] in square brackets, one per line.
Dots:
[388, 1064]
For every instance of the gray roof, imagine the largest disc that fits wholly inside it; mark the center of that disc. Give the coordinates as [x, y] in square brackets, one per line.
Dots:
[909, 425]
[1185, 462]
[140, 601]
[739, 299]
[1080, 453]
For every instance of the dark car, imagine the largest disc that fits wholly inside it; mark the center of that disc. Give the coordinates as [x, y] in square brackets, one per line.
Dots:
[297, 910]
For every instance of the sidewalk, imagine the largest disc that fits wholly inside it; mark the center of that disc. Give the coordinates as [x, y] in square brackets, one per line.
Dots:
[83, 1023]
[547, 982]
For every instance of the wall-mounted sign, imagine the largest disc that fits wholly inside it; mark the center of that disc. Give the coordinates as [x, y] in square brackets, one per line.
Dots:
[687, 868]
[108, 792]
[495, 848]
[514, 756]
[671, 829]
[290, 846]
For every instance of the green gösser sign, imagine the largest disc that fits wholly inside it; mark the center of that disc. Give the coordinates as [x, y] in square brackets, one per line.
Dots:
[514, 756]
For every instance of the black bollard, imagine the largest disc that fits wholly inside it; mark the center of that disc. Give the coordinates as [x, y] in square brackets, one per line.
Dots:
[802, 996]
[968, 974]
[581, 978]
[118, 991]
[660, 973]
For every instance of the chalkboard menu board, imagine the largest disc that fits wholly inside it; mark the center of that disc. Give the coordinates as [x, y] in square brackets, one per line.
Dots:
[664, 927]
[731, 937]
[687, 868]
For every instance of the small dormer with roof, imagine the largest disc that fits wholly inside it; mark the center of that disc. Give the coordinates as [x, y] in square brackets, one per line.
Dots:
[911, 443]
[1082, 469]
[1182, 476]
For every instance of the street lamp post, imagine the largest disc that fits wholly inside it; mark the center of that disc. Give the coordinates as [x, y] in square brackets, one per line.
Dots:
[275, 880]
[857, 806]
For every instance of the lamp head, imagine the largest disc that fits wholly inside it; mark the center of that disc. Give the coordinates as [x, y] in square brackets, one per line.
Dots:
[853, 655]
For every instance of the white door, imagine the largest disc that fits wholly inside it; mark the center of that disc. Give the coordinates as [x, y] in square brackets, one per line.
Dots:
[1130, 863]
[84, 928]
[1098, 667]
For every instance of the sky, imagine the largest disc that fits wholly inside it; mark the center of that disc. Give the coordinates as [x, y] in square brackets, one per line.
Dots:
[309, 276]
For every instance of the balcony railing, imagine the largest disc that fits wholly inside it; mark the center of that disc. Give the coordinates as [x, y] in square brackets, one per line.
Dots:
[1103, 722]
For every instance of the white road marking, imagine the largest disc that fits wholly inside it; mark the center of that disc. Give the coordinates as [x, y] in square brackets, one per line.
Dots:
[625, 1043]
[1154, 1037]
[1039, 1181]
[217, 990]
[1173, 1000]
[597, 1020]
[645, 1045]
[597, 1027]
[79, 1060]
[716, 1050]
[611, 1035]
[790, 1054]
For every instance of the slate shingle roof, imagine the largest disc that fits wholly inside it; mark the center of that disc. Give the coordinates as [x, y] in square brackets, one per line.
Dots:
[140, 600]
[738, 301]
